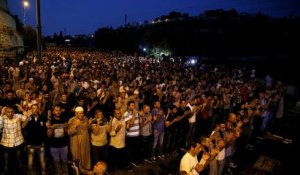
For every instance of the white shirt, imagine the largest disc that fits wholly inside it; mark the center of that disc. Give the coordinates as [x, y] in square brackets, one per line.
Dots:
[192, 119]
[221, 155]
[188, 164]
[117, 140]
[99, 139]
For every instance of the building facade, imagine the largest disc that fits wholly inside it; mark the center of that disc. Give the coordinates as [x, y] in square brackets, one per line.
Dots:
[11, 42]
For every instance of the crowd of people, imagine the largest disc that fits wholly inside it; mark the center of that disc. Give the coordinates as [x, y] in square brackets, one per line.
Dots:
[92, 107]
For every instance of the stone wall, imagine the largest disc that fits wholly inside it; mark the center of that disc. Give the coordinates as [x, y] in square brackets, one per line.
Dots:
[10, 39]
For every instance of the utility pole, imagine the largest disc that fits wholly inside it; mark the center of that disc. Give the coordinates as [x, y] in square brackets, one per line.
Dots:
[39, 31]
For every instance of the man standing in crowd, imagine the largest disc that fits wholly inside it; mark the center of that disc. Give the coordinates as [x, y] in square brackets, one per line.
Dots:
[12, 140]
[158, 130]
[132, 119]
[117, 150]
[79, 138]
[99, 129]
[146, 132]
[35, 135]
[58, 140]
[189, 162]
[171, 130]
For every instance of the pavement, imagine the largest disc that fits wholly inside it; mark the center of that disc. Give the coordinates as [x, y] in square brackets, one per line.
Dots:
[274, 152]
[169, 166]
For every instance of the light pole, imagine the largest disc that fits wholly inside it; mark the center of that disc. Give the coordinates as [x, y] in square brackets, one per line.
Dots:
[39, 31]
[25, 5]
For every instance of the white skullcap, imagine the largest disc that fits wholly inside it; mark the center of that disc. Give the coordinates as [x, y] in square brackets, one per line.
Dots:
[79, 109]
[121, 89]
[136, 92]
[85, 85]
[96, 81]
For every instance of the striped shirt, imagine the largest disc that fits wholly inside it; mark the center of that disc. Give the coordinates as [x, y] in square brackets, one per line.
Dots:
[134, 130]
[12, 135]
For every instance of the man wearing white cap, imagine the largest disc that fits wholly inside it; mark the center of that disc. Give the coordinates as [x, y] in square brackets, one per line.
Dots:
[79, 138]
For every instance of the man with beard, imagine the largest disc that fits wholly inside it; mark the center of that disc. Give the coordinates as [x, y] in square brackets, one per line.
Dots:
[58, 140]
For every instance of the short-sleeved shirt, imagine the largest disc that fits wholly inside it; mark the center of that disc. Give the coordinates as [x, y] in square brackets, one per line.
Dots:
[12, 135]
[59, 138]
[188, 164]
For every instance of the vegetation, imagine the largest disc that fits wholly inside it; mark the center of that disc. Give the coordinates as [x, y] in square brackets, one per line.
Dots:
[215, 33]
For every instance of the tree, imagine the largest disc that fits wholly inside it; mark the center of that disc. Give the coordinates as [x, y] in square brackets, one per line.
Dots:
[217, 33]
[60, 38]
[174, 15]
[19, 25]
[55, 38]
[29, 37]
[105, 38]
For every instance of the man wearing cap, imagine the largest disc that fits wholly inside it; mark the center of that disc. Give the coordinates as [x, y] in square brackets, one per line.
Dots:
[79, 137]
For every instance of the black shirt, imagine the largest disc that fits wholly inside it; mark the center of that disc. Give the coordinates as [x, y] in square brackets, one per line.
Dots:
[174, 126]
[35, 131]
[59, 137]
[183, 123]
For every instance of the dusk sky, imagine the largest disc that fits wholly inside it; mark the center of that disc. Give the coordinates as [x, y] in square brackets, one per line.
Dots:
[86, 16]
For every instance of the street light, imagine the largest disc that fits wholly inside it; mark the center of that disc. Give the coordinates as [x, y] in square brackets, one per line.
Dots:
[25, 5]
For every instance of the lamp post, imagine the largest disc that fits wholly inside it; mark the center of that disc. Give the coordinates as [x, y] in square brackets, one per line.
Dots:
[39, 31]
[25, 5]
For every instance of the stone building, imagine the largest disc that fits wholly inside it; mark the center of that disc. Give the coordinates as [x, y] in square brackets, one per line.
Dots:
[11, 42]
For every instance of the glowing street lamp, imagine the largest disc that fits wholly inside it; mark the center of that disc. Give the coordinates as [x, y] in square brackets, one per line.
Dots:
[25, 5]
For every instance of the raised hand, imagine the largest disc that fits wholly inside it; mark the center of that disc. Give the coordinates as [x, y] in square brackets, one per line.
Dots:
[49, 114]
[205, 156]
[90, 121]
[119, 127]
[77, 122]
[214, 152]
